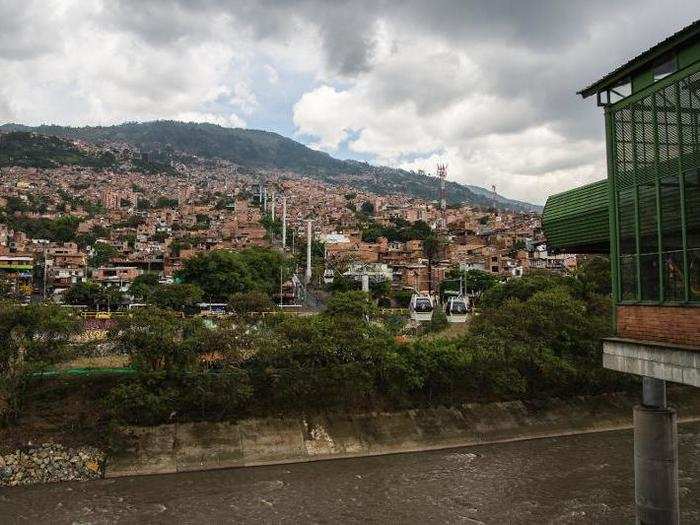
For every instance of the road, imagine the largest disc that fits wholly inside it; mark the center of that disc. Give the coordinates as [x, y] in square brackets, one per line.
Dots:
[577, 479]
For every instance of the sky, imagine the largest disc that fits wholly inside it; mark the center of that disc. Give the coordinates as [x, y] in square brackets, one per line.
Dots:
[487, 87]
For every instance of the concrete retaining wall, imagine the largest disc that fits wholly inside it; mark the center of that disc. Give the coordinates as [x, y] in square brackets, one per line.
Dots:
[202, 446]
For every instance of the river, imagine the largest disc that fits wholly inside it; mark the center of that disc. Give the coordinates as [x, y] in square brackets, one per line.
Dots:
[576, 479]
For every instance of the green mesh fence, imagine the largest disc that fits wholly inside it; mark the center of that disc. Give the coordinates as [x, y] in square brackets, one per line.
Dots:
[656, 148]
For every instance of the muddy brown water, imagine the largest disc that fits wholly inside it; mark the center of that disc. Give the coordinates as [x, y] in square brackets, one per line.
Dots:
[574, 479]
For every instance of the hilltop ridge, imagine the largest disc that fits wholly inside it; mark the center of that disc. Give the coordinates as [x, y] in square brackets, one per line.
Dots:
[265, 150]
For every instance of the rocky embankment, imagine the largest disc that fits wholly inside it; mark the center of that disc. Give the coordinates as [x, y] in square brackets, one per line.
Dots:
[49, 463]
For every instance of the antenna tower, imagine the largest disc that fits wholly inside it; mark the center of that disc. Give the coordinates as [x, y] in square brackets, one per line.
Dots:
[442, 173]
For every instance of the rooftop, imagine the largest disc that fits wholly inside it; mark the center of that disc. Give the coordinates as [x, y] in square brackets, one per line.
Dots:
[686, 34]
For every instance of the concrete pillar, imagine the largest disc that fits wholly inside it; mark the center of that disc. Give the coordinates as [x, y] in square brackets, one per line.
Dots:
[284, 223]
[365, 282]
[653, 392]
[308, 251]
[655, 457]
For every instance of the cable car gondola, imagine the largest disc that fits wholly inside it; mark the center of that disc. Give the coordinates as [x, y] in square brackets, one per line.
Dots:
[421, 307]
[456, 309]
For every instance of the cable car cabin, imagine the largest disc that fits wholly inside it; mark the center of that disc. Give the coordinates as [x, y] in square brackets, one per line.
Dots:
[421, 307]
[457, 309]
[212, 308]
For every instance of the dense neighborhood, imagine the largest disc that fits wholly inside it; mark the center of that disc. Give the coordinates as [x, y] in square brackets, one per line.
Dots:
[68, 225]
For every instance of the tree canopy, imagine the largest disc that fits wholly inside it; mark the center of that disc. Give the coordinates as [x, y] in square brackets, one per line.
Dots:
[222, 273]
[401, 231]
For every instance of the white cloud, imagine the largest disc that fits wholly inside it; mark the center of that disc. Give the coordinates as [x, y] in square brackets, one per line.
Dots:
[97, 74]
[421, 97]
[272, 75]
[490, 87]
[228, 121]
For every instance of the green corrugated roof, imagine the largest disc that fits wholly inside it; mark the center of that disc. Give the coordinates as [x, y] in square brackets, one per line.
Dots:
[576, 221]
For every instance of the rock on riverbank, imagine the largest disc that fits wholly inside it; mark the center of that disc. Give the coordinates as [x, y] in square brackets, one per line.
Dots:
[50, 463]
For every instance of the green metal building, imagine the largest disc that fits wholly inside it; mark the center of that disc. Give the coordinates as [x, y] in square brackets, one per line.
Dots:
[646, 216]
[652, 193]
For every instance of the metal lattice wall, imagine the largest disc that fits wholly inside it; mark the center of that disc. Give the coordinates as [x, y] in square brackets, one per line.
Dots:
[656, 147]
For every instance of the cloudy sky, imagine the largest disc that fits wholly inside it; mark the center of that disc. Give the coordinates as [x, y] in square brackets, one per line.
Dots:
[486, 86]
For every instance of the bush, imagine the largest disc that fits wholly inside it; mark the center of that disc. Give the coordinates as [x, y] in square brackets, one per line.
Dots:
[246, 303]
[403, 298]
[438, 322]
[384, 302]
[31, 338]
[159, 340]
[148, 401]
[155, 398]
[353, 304]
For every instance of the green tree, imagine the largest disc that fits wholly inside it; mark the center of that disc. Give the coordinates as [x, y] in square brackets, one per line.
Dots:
[432, 247]
[403, 298]
[181, 297]
[367, 208]
[478, 281]
[341, 283]
[354, 304]
[93, 295]
[143, 286]
[517, 245]
[31, 337]
[594, 275]
[158, 340]
[165, 202]
[245, 303]
[222, 273]
[101, 254]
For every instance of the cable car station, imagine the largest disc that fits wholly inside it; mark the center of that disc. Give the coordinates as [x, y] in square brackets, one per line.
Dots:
[646, 216]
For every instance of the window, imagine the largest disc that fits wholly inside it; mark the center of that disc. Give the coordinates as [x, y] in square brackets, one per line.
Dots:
[670, 197]
[628, 278]
[674, 283]
[648, 232]
[649, 277]
[621, 90]
[665, 68]
[626, 219]
[657, 177]
[692, 208]
[694, 275]
[692, 224]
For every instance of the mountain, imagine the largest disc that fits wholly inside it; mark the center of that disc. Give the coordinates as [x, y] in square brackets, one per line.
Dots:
[255, 149]
[36, 151]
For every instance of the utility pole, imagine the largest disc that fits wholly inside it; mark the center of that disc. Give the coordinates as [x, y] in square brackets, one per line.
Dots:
[272, 207]
[45, 273]
[280, 286]
[308, 250]
[284, 223]
[365, 282]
